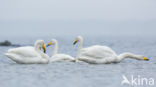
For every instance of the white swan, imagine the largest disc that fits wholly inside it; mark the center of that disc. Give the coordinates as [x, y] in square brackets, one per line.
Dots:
[28, 54]
[58, 57]
[101, 54]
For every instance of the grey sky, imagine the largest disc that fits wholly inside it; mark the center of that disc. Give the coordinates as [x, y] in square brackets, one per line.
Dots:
[78, 16]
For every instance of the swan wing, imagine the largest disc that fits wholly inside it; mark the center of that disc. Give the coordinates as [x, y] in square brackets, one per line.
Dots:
[25, 59]
[98, 61]
[26, 52]
[62, 57]
[98, 52]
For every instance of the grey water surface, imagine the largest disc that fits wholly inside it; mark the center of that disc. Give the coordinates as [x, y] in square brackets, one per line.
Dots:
[69, 74]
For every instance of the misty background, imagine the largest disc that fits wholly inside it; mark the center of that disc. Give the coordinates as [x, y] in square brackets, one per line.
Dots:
[77, 17]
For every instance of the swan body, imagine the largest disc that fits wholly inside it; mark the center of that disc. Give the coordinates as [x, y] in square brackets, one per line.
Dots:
[28, 54]
[98, 52]
[102, 54]
[59, 57]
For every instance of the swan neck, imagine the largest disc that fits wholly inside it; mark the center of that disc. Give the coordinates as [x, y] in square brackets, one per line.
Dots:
[55, 49]
[80, 47]
[127, 55]
[38, 49]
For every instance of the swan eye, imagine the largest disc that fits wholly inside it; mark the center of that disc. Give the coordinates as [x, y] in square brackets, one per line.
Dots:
[75, 42]
[146, 59]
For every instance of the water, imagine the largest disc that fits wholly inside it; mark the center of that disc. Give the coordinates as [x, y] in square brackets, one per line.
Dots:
[69, 74]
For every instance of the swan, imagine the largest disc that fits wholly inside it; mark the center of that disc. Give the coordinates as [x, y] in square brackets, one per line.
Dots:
[29, 54]
[101, 54]
[58, 57]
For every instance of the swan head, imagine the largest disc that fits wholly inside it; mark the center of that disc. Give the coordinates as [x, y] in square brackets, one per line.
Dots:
[141, 57]
[44, 47]
[41, 44]
[146, 59]
[52, 42]
[77, 39]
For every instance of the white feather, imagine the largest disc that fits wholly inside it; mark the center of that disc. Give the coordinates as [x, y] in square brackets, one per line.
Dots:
[28, 54]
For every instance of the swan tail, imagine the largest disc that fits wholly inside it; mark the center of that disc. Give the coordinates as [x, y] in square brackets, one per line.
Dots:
[7, 54]
[13, 58]
[10, 51]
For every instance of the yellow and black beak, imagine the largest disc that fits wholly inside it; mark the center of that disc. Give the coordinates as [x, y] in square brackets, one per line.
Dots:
[48, 44]
[75, 42]
[146, 59]
[44, 48]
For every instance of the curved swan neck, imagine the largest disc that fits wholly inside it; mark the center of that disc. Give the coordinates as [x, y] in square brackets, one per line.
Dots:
[55, 48]
[37, 47]
[80, 47]
[128, 55]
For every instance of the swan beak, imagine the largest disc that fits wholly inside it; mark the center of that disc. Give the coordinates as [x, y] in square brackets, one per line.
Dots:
[44, 48]
[146, 59]
[75, 42]
[48, 44]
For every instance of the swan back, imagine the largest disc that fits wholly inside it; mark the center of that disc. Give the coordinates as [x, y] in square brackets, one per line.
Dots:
[98, 52]
[62, 57]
